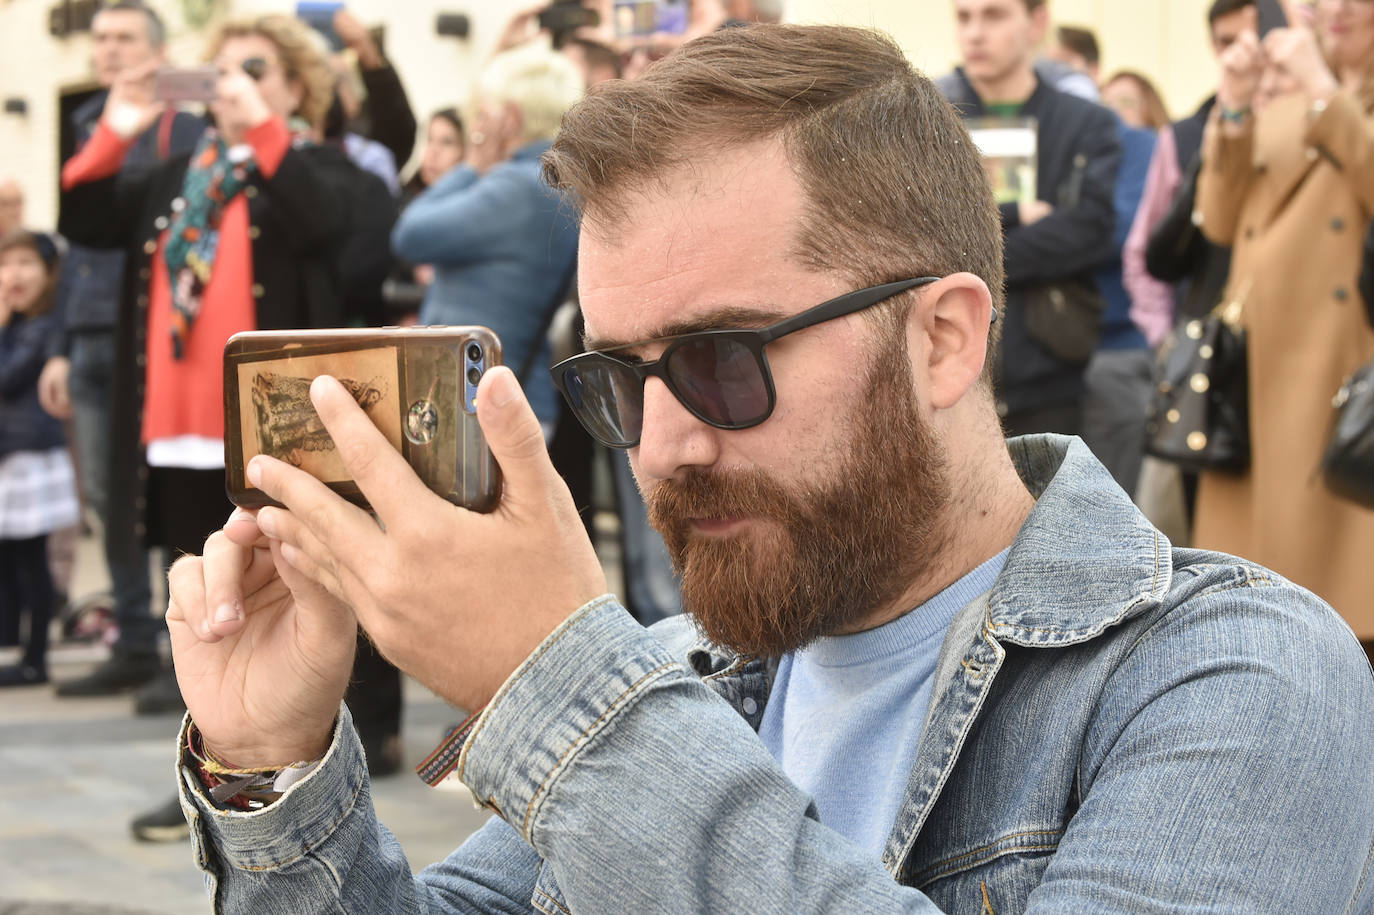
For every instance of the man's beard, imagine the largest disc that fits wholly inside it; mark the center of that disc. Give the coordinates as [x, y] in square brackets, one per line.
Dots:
[835, 551]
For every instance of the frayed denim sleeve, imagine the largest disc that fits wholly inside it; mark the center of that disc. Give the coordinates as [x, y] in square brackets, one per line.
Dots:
[321, 849]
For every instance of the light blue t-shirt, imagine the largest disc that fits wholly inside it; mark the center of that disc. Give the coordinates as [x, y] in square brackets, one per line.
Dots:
[845, 714]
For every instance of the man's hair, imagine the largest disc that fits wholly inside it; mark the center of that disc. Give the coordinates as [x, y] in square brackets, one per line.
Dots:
[299, 55]
[539, 81]
[157, 32]
[1033, 5]
[1225, 8]
[1080, 41]
[599, 54]
[894, 186]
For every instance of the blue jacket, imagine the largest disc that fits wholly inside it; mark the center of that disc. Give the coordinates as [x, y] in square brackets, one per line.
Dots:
[503, 247]
[24, 347]
[1117, 726]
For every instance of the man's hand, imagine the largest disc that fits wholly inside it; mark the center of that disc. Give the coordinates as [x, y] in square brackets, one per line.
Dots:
[262, 654]
[1034, 211]
[239, 106]
[454, 598]
[53, 394]
[356, 36]
[131, 106]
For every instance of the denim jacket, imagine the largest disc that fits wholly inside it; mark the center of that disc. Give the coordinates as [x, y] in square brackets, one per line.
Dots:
[1118, 726]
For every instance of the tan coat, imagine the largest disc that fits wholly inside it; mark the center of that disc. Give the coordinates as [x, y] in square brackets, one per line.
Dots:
[1294, 199]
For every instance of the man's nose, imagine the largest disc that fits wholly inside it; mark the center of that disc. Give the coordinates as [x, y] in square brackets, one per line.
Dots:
[671, 438]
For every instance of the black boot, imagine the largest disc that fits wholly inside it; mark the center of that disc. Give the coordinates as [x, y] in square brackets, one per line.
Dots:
[159, 696]
[165, 823]
[121, 672]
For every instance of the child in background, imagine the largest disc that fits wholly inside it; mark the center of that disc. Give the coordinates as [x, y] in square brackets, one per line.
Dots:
[37, 483]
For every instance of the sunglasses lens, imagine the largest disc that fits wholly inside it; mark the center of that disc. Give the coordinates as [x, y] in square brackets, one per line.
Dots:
[722, 379]
[607, 399]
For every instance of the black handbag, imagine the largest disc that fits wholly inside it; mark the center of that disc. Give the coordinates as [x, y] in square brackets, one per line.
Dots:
[1199, 413]
[1348, 464]
[1065, 318]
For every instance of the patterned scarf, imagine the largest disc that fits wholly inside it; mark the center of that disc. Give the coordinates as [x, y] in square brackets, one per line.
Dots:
[213, 179]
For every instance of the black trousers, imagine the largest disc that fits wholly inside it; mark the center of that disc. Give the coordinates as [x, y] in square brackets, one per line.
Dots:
[26, 585]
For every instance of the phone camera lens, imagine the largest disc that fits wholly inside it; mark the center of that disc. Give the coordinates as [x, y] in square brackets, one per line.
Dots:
[474, 375]
[474, 355]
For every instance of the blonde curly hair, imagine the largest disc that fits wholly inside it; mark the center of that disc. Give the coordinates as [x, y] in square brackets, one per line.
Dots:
[299, 54]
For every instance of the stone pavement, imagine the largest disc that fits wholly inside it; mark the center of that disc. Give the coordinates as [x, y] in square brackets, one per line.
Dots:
[73, 772]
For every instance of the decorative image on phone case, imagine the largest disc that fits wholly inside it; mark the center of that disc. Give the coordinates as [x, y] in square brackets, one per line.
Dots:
[417, 385]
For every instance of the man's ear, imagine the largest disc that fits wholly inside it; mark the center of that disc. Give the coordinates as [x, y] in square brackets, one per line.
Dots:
[950, 327]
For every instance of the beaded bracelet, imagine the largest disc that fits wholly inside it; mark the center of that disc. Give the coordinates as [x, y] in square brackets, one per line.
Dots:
[1235, 115]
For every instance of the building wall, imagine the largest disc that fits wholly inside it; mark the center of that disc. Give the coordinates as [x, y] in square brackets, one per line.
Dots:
[1164, 38]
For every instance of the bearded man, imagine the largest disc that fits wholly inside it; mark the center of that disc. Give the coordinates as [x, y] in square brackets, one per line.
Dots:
[923, 670]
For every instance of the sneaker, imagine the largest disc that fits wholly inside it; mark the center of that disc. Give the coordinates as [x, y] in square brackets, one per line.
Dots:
[165, 823]
[159, 696]
[122, 671]
[23, 675]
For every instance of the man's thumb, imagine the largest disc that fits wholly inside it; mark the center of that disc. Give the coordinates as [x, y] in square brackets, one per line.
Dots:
[513, 433]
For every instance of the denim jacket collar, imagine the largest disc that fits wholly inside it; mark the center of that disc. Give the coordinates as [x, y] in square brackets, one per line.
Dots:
[1085, 560]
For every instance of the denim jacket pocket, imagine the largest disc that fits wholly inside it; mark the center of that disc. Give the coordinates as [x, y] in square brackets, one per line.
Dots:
[547, 897]
[996, 877]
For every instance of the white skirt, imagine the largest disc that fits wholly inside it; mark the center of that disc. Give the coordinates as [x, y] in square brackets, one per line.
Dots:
[37, 493]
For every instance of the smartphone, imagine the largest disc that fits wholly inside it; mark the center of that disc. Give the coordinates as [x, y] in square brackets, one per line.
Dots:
[642, 18]
[1271, 16]
[185, 84]
[319, 15]
[417, 384]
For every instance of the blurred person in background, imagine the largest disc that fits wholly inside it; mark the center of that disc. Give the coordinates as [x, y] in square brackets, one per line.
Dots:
[1135, 100]
[1047, 241]
[79, 377]
[381, 112]
[501, 242]
[11, 205]
[37, 482]
[242, 234]
[443, 150]
[1072, 64]
[1291, 188]
[1172, 272]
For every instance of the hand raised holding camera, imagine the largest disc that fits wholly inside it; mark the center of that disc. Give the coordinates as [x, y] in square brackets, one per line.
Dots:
[239, 105]
[263, 655]
[131, 106]
[455, 598]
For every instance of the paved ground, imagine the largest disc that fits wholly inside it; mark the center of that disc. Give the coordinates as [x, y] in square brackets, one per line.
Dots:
[74, 772]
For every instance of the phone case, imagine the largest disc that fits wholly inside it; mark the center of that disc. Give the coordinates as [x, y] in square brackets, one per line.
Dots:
[416, 384]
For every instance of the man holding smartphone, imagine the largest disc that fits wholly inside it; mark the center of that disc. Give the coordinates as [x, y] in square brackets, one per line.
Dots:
[79, 378]
[930, 670]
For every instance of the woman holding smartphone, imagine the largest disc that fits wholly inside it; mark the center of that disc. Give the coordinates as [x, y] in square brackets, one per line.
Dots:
[242, 234]
[1288, 181]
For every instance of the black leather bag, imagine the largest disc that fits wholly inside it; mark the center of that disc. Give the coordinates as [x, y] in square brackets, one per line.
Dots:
[1199, 416]
[1348, 464]
[1065, 318]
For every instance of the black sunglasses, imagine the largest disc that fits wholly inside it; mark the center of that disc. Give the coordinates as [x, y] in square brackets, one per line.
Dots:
[721, 376]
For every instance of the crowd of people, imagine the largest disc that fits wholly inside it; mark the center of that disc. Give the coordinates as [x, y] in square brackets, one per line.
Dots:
[601, 189]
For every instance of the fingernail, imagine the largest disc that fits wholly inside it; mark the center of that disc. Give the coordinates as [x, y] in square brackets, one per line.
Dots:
[504, 389]
[265, 522]
[227, 613]
[254, 472]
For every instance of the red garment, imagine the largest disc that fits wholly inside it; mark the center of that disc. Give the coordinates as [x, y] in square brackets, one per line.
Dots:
[186, 396]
